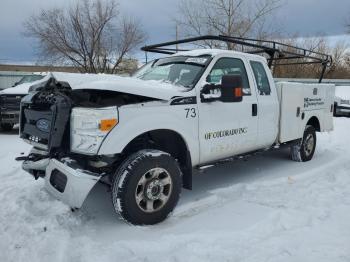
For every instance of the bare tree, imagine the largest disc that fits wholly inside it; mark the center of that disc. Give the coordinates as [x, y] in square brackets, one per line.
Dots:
[240, 18]
[90, 35]
[338, 68]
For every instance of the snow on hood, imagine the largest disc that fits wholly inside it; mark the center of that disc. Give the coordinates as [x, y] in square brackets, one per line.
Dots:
[130, 85]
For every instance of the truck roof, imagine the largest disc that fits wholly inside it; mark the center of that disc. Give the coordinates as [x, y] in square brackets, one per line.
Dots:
[215, 52]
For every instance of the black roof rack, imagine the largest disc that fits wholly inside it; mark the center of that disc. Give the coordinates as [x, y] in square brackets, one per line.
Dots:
[283, 53]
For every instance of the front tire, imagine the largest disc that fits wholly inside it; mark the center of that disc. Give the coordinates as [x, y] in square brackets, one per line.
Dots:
[304, 151]
[7, 127]
[146, 187]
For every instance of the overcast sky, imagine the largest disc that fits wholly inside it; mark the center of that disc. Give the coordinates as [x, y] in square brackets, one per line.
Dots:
[305, 17]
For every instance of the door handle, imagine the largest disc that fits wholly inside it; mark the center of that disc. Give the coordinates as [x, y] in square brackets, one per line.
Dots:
[254, 109]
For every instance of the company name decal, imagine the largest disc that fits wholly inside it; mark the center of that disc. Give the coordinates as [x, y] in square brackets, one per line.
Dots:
[313, 102]
[224, 133]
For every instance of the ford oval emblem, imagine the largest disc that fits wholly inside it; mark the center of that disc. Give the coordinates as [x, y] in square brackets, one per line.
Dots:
[43, 125]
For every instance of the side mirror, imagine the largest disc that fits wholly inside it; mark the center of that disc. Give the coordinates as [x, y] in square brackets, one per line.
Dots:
[231, 88]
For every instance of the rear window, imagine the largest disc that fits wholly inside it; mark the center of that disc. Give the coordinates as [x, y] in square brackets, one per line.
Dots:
[261, 78]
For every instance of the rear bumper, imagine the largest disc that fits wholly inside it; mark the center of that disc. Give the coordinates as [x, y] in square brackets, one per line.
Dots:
[64, 180]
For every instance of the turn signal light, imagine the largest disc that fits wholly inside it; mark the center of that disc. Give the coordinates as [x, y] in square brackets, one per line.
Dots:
[108, 124]
[238, 92]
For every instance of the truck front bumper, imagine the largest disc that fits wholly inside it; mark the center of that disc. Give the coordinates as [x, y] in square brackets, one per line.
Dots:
[64, 180]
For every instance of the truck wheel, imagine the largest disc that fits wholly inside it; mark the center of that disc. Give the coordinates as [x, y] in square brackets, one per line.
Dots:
[305, 150]
[7, 126]
[146, 187]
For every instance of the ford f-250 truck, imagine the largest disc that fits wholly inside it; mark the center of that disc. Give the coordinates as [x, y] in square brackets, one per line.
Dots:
[142, 136]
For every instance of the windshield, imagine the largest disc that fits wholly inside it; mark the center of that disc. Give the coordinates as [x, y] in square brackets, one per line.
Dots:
[29, 79]
[178, 70]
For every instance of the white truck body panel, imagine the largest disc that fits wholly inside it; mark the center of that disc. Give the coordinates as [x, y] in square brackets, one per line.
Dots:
[156, 115]
[268, 109]
[276, 121]
[216, 116]
[308, 100]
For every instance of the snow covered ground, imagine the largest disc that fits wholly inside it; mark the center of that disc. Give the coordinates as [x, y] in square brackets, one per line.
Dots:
[266, 209]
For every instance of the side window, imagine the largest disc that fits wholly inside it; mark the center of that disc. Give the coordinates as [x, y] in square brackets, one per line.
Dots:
[229, 66]
[261, 78]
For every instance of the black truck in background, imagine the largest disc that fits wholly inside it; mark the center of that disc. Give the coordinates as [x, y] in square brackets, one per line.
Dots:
[10, 100]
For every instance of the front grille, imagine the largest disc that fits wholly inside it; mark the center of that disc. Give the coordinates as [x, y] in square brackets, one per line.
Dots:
[44, 121]
[10, 102]
[29, 129]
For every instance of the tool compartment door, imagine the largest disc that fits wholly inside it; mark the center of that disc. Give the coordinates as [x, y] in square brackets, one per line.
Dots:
[291, 106]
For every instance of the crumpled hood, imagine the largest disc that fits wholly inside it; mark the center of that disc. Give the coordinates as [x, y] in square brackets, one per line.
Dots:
[129, 85]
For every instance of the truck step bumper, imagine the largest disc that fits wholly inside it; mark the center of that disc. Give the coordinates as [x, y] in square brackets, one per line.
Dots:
[63, 180]
[71, 186]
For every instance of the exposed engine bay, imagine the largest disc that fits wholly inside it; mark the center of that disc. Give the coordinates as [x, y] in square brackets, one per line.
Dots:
[104, 98]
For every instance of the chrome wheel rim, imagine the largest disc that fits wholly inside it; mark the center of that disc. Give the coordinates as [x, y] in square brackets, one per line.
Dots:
[309, 144]
[153, 190]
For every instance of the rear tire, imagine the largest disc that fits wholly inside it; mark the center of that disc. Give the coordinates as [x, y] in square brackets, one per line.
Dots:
[146, 187]
[304, 151]
[7, 126]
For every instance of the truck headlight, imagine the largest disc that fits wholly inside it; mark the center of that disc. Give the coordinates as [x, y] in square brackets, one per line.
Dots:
[89, 127]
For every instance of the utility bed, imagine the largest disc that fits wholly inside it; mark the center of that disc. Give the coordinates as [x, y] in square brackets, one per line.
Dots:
[298, 102]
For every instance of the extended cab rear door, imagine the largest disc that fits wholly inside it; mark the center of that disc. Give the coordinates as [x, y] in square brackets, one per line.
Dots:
[268, 105]
[227, 128]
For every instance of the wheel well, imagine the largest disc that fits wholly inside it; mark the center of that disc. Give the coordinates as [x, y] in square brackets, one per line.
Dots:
[168, 141]
[313, 121]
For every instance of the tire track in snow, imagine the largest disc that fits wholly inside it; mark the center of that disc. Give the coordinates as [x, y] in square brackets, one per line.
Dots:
[220, 197]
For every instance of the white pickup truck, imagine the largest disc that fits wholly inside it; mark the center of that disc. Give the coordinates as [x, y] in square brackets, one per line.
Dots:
[342, 101]
[143, 135]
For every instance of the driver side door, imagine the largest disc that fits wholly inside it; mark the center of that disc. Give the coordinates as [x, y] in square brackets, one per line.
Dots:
[227, 128]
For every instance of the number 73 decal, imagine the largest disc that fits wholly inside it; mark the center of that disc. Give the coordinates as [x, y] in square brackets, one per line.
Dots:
[191, 112]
